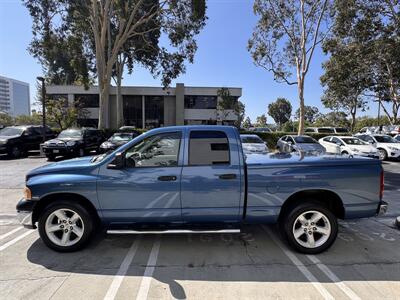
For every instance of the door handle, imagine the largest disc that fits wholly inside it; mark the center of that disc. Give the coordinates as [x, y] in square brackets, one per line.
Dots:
[227, 176]
[167, 178]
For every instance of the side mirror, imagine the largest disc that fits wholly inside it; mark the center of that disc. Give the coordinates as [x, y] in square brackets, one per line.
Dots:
[371, 142]
[118, 162]
[290, 143]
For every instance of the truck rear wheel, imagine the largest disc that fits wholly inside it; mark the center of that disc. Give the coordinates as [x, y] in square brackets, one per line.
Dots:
[310, 228]
[65, 226]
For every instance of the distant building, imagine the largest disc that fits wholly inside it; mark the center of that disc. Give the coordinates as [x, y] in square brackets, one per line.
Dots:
[149, 107]
[14, 97]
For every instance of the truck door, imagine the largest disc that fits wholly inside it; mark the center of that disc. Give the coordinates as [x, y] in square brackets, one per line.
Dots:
[211, 177]
[147, 189]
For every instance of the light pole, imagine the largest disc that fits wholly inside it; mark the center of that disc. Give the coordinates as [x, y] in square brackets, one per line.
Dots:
[41, 79]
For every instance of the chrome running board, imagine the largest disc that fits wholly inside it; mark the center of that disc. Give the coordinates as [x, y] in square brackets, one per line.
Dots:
[172, 231]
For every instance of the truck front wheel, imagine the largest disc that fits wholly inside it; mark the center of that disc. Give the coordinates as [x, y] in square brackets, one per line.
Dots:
[310, 228]
[65, 226]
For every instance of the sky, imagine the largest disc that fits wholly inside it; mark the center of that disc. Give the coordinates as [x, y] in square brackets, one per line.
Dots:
[222, 59]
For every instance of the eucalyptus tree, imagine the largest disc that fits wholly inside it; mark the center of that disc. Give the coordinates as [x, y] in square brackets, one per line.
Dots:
[285, 38]
[159, 35]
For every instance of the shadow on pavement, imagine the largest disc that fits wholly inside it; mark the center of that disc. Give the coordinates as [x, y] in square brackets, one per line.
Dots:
[251, 256]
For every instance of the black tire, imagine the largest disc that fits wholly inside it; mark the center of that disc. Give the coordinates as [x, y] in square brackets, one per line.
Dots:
[288, 220]
[15, 152]
[383, 155]
[50, 157]
[86, 217]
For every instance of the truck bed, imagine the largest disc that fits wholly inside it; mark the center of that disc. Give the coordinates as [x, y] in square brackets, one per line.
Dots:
[274, 178]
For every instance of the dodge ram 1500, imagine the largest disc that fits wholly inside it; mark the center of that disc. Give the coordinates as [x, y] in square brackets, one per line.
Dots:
[195, 177]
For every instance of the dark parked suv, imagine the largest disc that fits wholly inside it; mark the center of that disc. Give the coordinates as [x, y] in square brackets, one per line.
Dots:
[16, 141]
[73, 142]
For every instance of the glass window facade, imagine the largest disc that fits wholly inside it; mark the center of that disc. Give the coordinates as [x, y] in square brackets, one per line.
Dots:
[133, 111]
[87, 100]
[200, 102]
[154, 111]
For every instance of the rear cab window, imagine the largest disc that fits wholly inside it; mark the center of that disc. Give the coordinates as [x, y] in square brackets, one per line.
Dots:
[208, 147]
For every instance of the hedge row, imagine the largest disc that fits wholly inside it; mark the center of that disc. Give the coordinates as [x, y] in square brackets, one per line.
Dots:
[271, 138]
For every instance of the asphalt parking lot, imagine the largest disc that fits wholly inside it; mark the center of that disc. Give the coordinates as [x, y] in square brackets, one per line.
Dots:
[364, 263]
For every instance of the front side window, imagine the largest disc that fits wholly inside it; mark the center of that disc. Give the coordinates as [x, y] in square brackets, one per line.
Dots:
[159, 150]
[384, 139]
[208, 148]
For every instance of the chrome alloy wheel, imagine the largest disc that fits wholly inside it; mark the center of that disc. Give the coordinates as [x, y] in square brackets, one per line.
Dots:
[311, 229]
[64, 227]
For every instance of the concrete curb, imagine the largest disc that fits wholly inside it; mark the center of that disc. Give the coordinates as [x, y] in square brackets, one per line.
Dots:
[397, 222]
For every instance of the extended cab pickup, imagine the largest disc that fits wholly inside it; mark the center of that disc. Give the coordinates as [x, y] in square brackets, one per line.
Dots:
[197, 176]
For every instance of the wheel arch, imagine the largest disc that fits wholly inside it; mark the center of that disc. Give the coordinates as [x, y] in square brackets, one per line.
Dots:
[55, 197]
[327, 198]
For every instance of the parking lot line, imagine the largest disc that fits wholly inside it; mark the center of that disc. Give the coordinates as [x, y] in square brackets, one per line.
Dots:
[148, 273]
[332, 276]
[302, 268]
[116, 283]
[3, 236]
[12, 242]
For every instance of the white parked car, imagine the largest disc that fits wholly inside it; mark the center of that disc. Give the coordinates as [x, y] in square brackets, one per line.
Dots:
[252, 143]
[387, 146]
[348, 145]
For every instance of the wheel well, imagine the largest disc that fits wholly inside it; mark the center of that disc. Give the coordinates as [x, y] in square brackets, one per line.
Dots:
[324, 197]
[64, 196]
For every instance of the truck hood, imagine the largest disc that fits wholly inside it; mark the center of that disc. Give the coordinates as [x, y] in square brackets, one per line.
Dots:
[75, 164]
[285, 159]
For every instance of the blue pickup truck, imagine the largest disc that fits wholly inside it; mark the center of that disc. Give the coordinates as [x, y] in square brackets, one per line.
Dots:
[194, 177]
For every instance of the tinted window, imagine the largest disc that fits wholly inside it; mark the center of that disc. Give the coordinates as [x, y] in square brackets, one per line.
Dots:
[159, 150]
[310, 130]
[251, 140]
[341, 130]
[208, 148]
[384, 139]
[327, 139]
[305, 140]
[326, 130]
[353, 141]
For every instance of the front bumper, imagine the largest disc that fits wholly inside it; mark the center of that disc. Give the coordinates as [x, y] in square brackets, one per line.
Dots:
[24, 213]
[382, 208]
[59, 150]
[4, 149]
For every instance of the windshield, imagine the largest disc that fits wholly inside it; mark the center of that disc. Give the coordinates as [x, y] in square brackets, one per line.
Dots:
[341, 130]
[304, 140]
[70, 133]
[353, 141]
[10, 131]
[121, 137]
[385, 139]
[251, 140]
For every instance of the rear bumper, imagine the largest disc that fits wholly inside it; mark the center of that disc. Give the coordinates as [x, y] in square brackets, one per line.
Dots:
[24, 213]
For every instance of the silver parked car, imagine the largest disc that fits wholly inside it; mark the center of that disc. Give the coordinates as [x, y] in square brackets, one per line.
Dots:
[302, 143]
[252, 143]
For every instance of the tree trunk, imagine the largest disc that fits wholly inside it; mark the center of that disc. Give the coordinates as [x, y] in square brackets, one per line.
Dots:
[103, 107]
[300, 88]
[120, 109]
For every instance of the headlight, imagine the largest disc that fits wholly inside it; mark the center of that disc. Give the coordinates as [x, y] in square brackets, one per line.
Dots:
[354, 150]
[2, 142]
[393, 149]
[27, 193]
[71, 143]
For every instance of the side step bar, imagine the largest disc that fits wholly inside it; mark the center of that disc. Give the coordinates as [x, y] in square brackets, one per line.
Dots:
[172, 231]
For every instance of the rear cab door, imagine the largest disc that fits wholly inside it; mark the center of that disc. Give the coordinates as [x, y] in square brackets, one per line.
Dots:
[212, 181]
